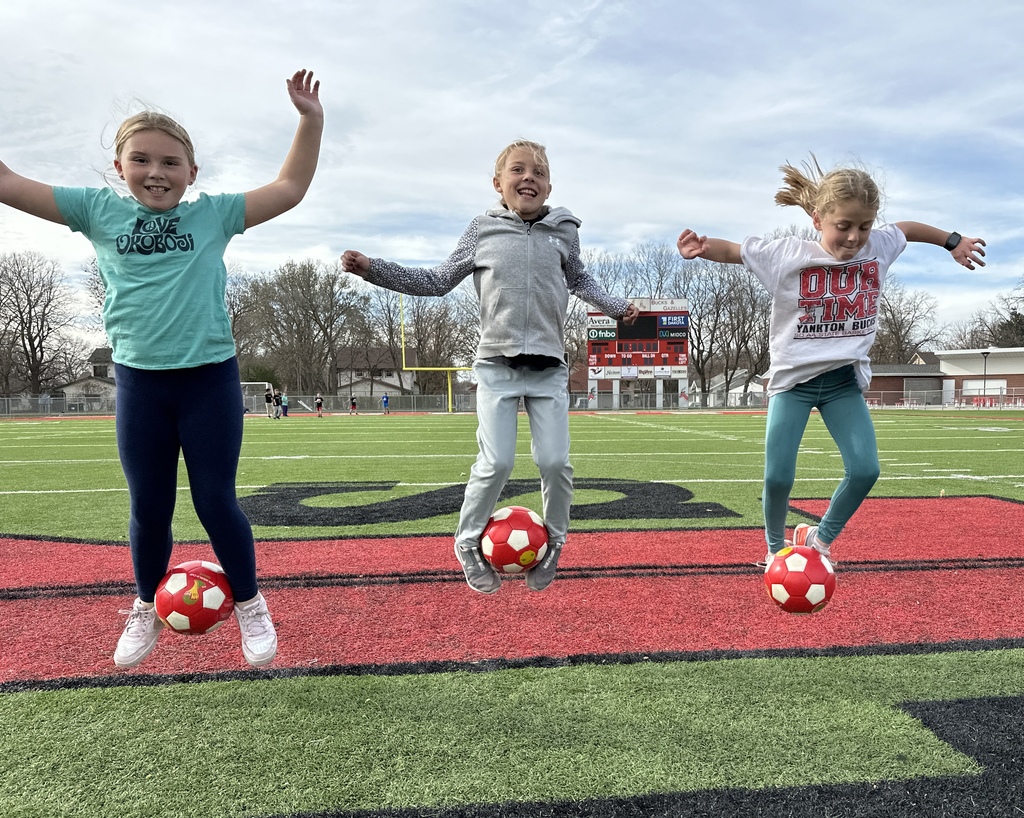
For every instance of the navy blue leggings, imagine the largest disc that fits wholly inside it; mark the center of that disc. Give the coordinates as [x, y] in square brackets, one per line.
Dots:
[198, 413]
[839, 401]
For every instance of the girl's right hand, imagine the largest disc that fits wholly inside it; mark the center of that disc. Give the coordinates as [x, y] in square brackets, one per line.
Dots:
[690, 245]
[352, 261]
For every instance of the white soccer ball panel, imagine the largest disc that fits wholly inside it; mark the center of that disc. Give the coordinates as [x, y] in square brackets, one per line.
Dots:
[779, 593]
[176, 582]
[512, 568]
[487, 546]
[213, 598]
[815, 594]
[542, 551]
[502, 513]
[519, 539]
[177, 621]
[536, 517]
[212, 566]
[796, 562]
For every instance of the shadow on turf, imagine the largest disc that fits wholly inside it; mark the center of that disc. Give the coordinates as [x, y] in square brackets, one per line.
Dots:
[990, 730]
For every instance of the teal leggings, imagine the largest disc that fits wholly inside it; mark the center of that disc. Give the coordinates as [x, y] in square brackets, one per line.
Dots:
[839, 400]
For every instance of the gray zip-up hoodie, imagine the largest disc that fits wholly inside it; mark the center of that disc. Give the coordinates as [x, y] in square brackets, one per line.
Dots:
[523, 274]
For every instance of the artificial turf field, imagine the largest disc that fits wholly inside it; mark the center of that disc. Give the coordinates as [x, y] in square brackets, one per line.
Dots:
[654, 677]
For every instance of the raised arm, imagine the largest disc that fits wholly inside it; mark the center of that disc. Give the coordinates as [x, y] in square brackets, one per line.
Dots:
[293, 181]
[691, 245]
[966, 251]
[23, 194]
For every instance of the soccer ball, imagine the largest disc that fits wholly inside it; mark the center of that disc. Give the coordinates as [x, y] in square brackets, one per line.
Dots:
[194, 597]
[800, 580]
[514, 540]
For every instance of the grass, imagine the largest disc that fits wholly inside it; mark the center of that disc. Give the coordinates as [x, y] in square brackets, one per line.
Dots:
[289, 745]
[279, 746]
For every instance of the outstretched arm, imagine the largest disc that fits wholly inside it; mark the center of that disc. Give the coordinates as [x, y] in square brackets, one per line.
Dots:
[293, 181]
[23, 194]
[691, 245]
[968, 251]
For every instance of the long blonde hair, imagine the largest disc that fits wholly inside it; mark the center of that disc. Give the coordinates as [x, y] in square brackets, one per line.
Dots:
[816, 191]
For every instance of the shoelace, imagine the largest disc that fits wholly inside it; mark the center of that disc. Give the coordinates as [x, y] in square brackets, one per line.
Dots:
[254, 623]
[139, 621]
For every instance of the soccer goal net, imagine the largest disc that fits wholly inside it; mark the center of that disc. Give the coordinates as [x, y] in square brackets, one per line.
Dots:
[252, 395]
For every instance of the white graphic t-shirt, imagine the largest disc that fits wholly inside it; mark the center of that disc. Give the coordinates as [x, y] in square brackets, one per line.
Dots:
[824, 311]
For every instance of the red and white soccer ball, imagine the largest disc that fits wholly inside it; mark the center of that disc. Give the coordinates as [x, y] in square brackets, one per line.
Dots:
[800, 580]
[194, 597]
[514, 540]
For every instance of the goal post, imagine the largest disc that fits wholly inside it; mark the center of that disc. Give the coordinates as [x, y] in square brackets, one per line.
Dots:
[252, 395]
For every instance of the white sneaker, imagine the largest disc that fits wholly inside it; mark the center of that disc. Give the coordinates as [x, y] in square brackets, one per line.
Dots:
[139, 636]
[259, 639]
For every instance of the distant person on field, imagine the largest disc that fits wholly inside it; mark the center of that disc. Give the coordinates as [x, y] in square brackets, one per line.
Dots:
[825, 300]
[318, 402]
[161, 259]
[525, 261]
[277, 404]
[284, 403]
[384, 404]
[353, 406]
[268, 396]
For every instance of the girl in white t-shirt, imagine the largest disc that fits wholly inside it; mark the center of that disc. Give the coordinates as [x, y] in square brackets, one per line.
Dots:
[825, 298]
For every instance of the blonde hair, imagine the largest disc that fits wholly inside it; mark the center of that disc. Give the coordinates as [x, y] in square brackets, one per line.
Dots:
[816, 191]
[540, 155]
[153, 121]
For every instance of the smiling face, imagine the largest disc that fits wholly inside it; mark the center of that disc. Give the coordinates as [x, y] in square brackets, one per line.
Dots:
[524, 183]
[845, 228]
[156, 168]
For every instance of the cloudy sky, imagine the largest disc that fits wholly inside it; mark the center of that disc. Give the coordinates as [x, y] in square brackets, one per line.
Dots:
[657, 115]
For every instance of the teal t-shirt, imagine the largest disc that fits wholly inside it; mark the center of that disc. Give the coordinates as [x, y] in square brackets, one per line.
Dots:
[163, 272]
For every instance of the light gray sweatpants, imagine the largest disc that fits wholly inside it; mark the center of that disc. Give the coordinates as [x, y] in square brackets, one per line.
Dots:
[546, 398]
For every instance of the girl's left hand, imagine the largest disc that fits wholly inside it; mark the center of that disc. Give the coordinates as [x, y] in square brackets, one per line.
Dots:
[969, 252]
[304, 93]
[630, 315]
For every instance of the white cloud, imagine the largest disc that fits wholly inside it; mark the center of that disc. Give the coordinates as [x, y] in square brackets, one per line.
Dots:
[657, 115]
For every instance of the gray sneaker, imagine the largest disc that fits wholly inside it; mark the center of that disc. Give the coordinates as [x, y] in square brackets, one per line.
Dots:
[480, 574]
[543, 573]
[140, 634]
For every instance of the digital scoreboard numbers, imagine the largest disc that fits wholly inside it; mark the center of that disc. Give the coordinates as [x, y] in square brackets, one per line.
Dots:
[655, 346]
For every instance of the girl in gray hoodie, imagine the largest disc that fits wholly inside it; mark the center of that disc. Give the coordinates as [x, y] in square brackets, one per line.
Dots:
[525, 261]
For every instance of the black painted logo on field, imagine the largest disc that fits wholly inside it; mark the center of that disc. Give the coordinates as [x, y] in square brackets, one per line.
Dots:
[284, 504]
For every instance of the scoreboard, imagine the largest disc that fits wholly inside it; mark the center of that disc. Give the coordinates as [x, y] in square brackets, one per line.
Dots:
[656, 346]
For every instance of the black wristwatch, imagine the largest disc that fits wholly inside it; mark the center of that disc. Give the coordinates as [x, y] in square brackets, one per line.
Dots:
[952, 241]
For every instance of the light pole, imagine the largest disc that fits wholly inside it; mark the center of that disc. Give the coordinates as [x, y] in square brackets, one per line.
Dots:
[984, 376]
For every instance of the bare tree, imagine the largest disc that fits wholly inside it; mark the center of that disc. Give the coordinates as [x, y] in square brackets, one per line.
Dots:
[906, 323]
[445, 332]
[708, 286]
[37, 306]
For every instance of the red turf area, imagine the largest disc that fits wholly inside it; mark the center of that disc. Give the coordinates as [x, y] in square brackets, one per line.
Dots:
[637, 592]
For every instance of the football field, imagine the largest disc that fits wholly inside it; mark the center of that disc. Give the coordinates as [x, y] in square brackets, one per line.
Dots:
[654, 678]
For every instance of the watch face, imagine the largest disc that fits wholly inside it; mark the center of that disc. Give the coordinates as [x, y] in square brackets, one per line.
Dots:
[953, 241]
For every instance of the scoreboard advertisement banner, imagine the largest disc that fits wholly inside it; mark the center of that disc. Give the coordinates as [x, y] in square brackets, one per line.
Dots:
[656, 346]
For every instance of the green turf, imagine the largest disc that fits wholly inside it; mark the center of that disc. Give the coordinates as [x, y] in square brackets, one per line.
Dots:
[298, 745]
[64, 476]
[286, 745]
